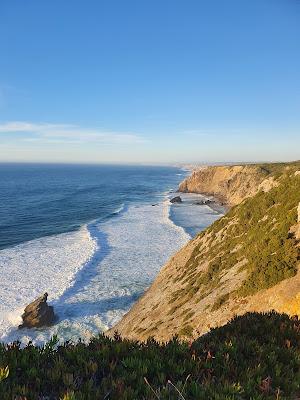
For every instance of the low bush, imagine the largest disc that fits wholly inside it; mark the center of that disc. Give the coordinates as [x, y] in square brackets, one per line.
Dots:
[256, 356]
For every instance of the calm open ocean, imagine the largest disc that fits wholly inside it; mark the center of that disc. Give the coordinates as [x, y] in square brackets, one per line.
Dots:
[93, 237]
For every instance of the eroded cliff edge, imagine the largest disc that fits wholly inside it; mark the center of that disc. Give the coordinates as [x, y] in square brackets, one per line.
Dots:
[231, 184]
[246, 261]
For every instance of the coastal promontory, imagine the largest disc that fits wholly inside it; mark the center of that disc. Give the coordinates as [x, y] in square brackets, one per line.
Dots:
[246, 261]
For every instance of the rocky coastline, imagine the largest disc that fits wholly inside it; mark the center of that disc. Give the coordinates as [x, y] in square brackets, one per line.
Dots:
[209, 281]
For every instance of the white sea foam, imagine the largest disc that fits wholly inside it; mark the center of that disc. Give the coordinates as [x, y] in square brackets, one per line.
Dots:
[46, 264]
[93, 276]
[120, 209]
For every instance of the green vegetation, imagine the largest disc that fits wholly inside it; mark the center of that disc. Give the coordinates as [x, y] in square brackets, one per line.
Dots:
[269, 247]
[277, 169]
[273, 256]
[255, 236]
[256, 357]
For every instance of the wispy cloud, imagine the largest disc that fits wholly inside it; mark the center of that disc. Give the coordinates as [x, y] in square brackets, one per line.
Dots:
[66, 133]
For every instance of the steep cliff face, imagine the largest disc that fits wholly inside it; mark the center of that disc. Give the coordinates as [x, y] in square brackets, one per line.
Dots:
[231, 184]
[246, 261]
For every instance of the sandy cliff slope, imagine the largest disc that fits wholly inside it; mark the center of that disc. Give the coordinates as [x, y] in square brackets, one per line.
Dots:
[246, 261]
[231, 184]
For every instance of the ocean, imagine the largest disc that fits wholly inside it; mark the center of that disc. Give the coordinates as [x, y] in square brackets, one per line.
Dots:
[93, 237]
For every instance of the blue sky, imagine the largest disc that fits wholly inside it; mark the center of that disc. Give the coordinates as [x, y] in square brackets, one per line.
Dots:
[149, 81]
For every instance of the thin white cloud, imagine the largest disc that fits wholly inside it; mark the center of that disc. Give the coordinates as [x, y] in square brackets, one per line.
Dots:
[21, 126]
[66, 133]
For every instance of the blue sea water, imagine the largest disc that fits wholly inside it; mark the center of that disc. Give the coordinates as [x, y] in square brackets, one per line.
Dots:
[39, 200]
[93, 237]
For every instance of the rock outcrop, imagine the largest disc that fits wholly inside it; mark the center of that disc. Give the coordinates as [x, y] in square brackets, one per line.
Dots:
[176, 199]
[38, 314]
[204, 202]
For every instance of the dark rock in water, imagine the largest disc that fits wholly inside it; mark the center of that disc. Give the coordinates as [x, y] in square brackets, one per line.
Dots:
[38, 314]
[204, 202]
[176, 199]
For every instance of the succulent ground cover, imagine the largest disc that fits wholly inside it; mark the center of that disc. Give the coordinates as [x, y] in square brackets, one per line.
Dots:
[256, 356]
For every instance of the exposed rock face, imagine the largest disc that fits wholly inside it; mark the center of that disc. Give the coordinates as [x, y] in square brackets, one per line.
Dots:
[176, 199]
[38, 314]
[231, 184]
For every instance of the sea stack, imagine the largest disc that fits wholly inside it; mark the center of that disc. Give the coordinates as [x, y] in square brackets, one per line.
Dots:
[38, 314]
[176, 199]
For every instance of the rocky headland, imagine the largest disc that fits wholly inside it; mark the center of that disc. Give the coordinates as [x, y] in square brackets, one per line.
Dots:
[231, 184]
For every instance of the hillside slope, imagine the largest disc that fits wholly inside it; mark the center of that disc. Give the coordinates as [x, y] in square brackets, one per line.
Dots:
[246, 261]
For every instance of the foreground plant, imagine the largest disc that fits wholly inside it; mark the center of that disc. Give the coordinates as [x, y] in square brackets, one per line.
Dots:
[4, 372]
[256, 356]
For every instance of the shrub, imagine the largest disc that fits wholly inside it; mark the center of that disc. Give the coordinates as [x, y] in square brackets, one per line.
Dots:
[256, 356]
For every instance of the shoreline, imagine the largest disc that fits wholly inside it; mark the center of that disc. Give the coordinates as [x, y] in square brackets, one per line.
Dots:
[220, 201]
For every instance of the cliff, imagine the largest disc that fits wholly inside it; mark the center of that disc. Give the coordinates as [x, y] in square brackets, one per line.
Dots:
[246, 261]
[231, 184]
